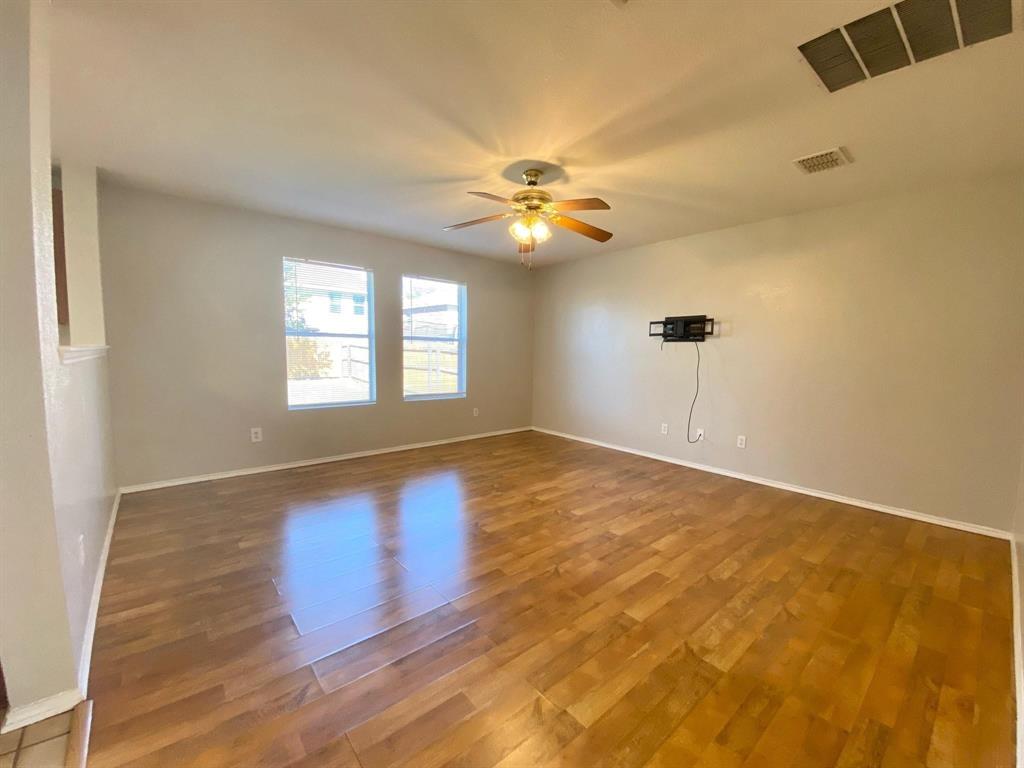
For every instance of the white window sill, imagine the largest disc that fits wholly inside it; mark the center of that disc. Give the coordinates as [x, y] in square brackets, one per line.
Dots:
[450, 396]
[78, 354]
[317, 406]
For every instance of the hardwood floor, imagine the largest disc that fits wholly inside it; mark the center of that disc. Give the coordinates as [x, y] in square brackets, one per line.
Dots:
[523, 601]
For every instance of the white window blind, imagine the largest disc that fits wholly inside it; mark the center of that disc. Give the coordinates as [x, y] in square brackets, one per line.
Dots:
[433, 338]
[328, 325]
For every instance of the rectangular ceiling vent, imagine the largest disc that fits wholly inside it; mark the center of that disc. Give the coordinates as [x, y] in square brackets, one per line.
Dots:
[898, 36]
[823, 161]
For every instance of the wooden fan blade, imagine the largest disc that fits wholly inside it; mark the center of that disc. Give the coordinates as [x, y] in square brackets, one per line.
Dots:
[489, 196]
[495, 217]
[582, 204]
[581, 227]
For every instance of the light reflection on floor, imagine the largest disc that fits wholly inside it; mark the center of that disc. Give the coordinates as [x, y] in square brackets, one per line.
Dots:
[432, 524]
[349, 554]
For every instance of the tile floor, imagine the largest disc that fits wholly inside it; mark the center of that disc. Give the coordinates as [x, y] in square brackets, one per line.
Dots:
[40, 745]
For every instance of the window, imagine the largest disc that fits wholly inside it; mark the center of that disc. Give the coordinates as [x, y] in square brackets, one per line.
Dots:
[433, 338]
[328, 325]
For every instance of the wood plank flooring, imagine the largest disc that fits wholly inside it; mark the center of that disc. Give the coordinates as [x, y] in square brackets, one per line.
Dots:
[524, 601]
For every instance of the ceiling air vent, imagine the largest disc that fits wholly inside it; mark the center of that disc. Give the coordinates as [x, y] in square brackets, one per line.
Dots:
[823, 161]
[832, 59]
[929, 26]
[877, 39]
[901, 35]
[982, 20]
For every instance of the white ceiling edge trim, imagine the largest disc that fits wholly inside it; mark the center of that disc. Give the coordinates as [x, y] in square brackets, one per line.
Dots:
[125, 183]
[1013, 174]
[224, 201]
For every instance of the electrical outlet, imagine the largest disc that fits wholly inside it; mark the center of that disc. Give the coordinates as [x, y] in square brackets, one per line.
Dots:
[476, 411]
[741, 441]
[700, 433]
[664, 429]
[81, 549]
[256, 434]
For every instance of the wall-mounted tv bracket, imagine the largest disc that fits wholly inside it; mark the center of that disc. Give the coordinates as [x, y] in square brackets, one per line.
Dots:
[683, 328]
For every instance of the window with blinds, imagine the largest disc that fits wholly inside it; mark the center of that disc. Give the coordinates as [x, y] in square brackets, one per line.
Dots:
[433, 338]
[328, 326]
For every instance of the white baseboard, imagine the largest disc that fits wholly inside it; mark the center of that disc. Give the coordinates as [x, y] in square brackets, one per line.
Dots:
[85, 659]
[1018, 645]
[311, 462]
[26, 714]
[58, 703]
[960, 525]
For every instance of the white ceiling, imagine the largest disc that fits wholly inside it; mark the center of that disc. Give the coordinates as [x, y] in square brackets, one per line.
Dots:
[684, 115]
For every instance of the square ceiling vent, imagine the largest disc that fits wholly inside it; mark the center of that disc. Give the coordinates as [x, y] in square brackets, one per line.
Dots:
[823, 161]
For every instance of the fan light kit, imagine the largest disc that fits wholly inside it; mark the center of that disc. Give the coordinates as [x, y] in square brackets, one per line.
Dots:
[529, 228]
[533, 210]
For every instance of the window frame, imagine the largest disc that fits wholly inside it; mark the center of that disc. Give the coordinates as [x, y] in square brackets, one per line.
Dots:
[370, 337]
[462, 339]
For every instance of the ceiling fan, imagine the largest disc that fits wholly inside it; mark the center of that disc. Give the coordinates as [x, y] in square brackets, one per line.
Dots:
[532, 209]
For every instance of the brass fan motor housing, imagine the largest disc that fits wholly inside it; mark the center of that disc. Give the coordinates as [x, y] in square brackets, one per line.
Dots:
[533, 200]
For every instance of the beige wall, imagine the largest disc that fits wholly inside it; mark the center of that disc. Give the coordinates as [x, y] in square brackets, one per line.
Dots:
[35, 633]
[82, 254]
[81, 443]
[839, 358]
[84, 487]
[194, 315]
